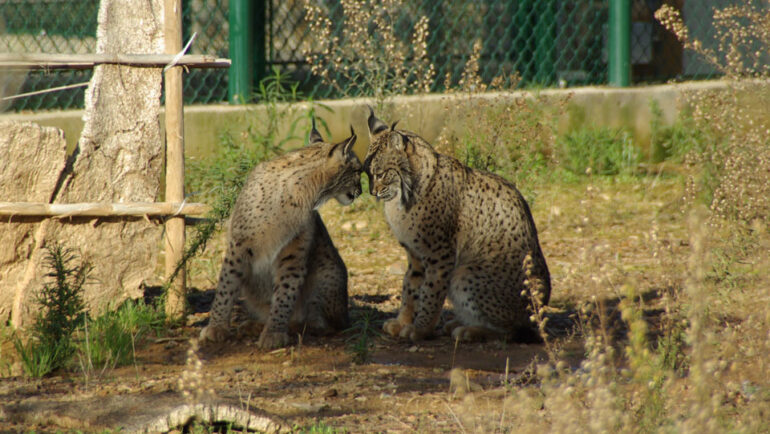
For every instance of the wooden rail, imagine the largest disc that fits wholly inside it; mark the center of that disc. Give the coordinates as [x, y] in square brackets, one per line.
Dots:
[88, 61]
[100, 209]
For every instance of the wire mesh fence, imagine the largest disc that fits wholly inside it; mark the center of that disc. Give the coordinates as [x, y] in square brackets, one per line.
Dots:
[545, 43]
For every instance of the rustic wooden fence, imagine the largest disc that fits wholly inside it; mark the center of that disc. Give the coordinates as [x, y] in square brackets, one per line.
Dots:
[174, 209]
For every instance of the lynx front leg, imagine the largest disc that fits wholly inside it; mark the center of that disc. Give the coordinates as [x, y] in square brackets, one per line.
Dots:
[233, 276]
[290, 270]
[432, 294]
[413, 278]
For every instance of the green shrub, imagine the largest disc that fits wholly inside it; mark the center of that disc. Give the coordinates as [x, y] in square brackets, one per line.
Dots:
[51, 345]
[675, 141]
[600, 151]
[361, 341]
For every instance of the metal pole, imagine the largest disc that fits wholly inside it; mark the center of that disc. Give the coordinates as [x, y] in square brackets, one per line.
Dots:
[172, 31]
[241, 74]
[620, 43]
[545, 71]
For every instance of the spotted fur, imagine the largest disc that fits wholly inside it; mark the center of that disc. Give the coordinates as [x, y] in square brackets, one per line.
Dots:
[280, 257]
[466, 234]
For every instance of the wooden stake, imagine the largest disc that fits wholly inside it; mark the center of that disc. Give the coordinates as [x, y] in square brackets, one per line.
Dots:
[172, 29]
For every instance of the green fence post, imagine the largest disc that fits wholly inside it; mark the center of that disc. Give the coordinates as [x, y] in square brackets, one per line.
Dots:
[241, 71]
[620, 43]
[545, 69]
[247, 48]
[260, 39]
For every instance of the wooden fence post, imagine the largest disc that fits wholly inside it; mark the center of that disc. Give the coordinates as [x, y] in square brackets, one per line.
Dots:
[172, 26]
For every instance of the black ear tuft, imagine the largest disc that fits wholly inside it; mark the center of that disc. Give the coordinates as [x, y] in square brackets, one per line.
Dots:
[393, 127]
[375, 125]
[315, 136]
[406, 141]
[350, 142]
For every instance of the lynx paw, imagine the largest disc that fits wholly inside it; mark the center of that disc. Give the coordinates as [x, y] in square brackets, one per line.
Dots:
[271, 340]
[392, 327]
[213, 333]
[412, 333]
[450, 326]
[472, 334]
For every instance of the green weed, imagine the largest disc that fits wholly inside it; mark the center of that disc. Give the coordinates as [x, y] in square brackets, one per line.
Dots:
[362, 340]
[600, 151]
[51, 345]
[318, 428]
[110, 340]
[672, 143]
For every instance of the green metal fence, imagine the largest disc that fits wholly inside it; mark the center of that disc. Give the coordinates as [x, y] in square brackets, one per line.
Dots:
[546, 42]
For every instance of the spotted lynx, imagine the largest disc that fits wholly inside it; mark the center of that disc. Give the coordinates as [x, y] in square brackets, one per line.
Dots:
[279, 254]
[466, 235]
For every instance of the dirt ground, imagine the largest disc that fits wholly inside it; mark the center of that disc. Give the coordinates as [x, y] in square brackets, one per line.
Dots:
[593, 234]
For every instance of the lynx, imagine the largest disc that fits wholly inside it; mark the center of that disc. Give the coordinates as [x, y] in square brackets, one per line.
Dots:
[466, 234]
[280, 257]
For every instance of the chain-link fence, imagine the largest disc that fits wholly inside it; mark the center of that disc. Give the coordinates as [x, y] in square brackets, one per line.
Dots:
[545, 42]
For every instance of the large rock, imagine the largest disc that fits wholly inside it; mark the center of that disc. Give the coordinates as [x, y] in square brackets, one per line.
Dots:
[118, 159]
[32, 159]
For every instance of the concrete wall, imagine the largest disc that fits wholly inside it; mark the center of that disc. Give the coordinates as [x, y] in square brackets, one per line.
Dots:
[423, 114]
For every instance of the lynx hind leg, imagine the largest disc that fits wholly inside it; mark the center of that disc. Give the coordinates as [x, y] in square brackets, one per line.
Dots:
[289, 276]
[326, 308]
[415, 274]
[482, 304]
[233, 276]
[257, 299]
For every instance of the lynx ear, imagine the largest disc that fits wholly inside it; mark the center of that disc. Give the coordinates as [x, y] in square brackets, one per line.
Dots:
[375, 125]
[398, 141]
[393, 127]
[347, 144]
[351, 141]
[315, 136]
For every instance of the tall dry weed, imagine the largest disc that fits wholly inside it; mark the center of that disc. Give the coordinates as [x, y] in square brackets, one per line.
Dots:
[371, 54]
[733, 165]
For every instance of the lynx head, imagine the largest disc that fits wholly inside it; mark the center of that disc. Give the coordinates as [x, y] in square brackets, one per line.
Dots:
[343, 164]
[386, 145]
[387, 162]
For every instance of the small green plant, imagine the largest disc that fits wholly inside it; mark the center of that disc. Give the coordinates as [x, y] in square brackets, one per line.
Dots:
[361, 342]
[649, 369]
[51, 344]
[110, 340]
[672, 143]
[318, 428]
[601, 151]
